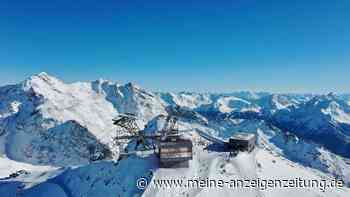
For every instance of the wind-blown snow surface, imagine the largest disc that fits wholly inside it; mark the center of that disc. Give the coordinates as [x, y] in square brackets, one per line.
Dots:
[54, 131]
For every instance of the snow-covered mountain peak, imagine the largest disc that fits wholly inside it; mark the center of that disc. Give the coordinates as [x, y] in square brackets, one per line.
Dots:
[41, 80]
[324, 99]
[228, 104]
[275, 102]
[132, 86]
[102, 86]
[336, 112]
[329, 102]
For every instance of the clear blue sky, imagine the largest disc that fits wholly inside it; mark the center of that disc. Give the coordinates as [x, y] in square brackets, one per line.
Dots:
[221, 46]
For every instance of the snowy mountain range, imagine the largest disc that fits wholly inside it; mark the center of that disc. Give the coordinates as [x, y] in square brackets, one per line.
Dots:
[61, 135]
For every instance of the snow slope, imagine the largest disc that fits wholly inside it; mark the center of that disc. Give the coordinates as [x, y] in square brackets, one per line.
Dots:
[119, 179]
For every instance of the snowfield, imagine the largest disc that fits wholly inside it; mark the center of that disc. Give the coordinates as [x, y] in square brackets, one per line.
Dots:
[56, 140]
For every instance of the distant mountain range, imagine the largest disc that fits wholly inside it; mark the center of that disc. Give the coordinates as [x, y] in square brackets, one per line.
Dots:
[44, 121]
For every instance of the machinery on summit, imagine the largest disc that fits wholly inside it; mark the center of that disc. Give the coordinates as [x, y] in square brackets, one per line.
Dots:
[169, 143]
[173, 150]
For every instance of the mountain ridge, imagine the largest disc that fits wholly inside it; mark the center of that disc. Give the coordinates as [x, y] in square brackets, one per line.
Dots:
[41, 117]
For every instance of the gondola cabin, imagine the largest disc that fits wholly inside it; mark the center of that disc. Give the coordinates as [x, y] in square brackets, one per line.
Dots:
[175, 152]
[242, 142]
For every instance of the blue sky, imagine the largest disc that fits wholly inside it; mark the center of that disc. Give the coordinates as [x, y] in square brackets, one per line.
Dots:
[220, 46]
